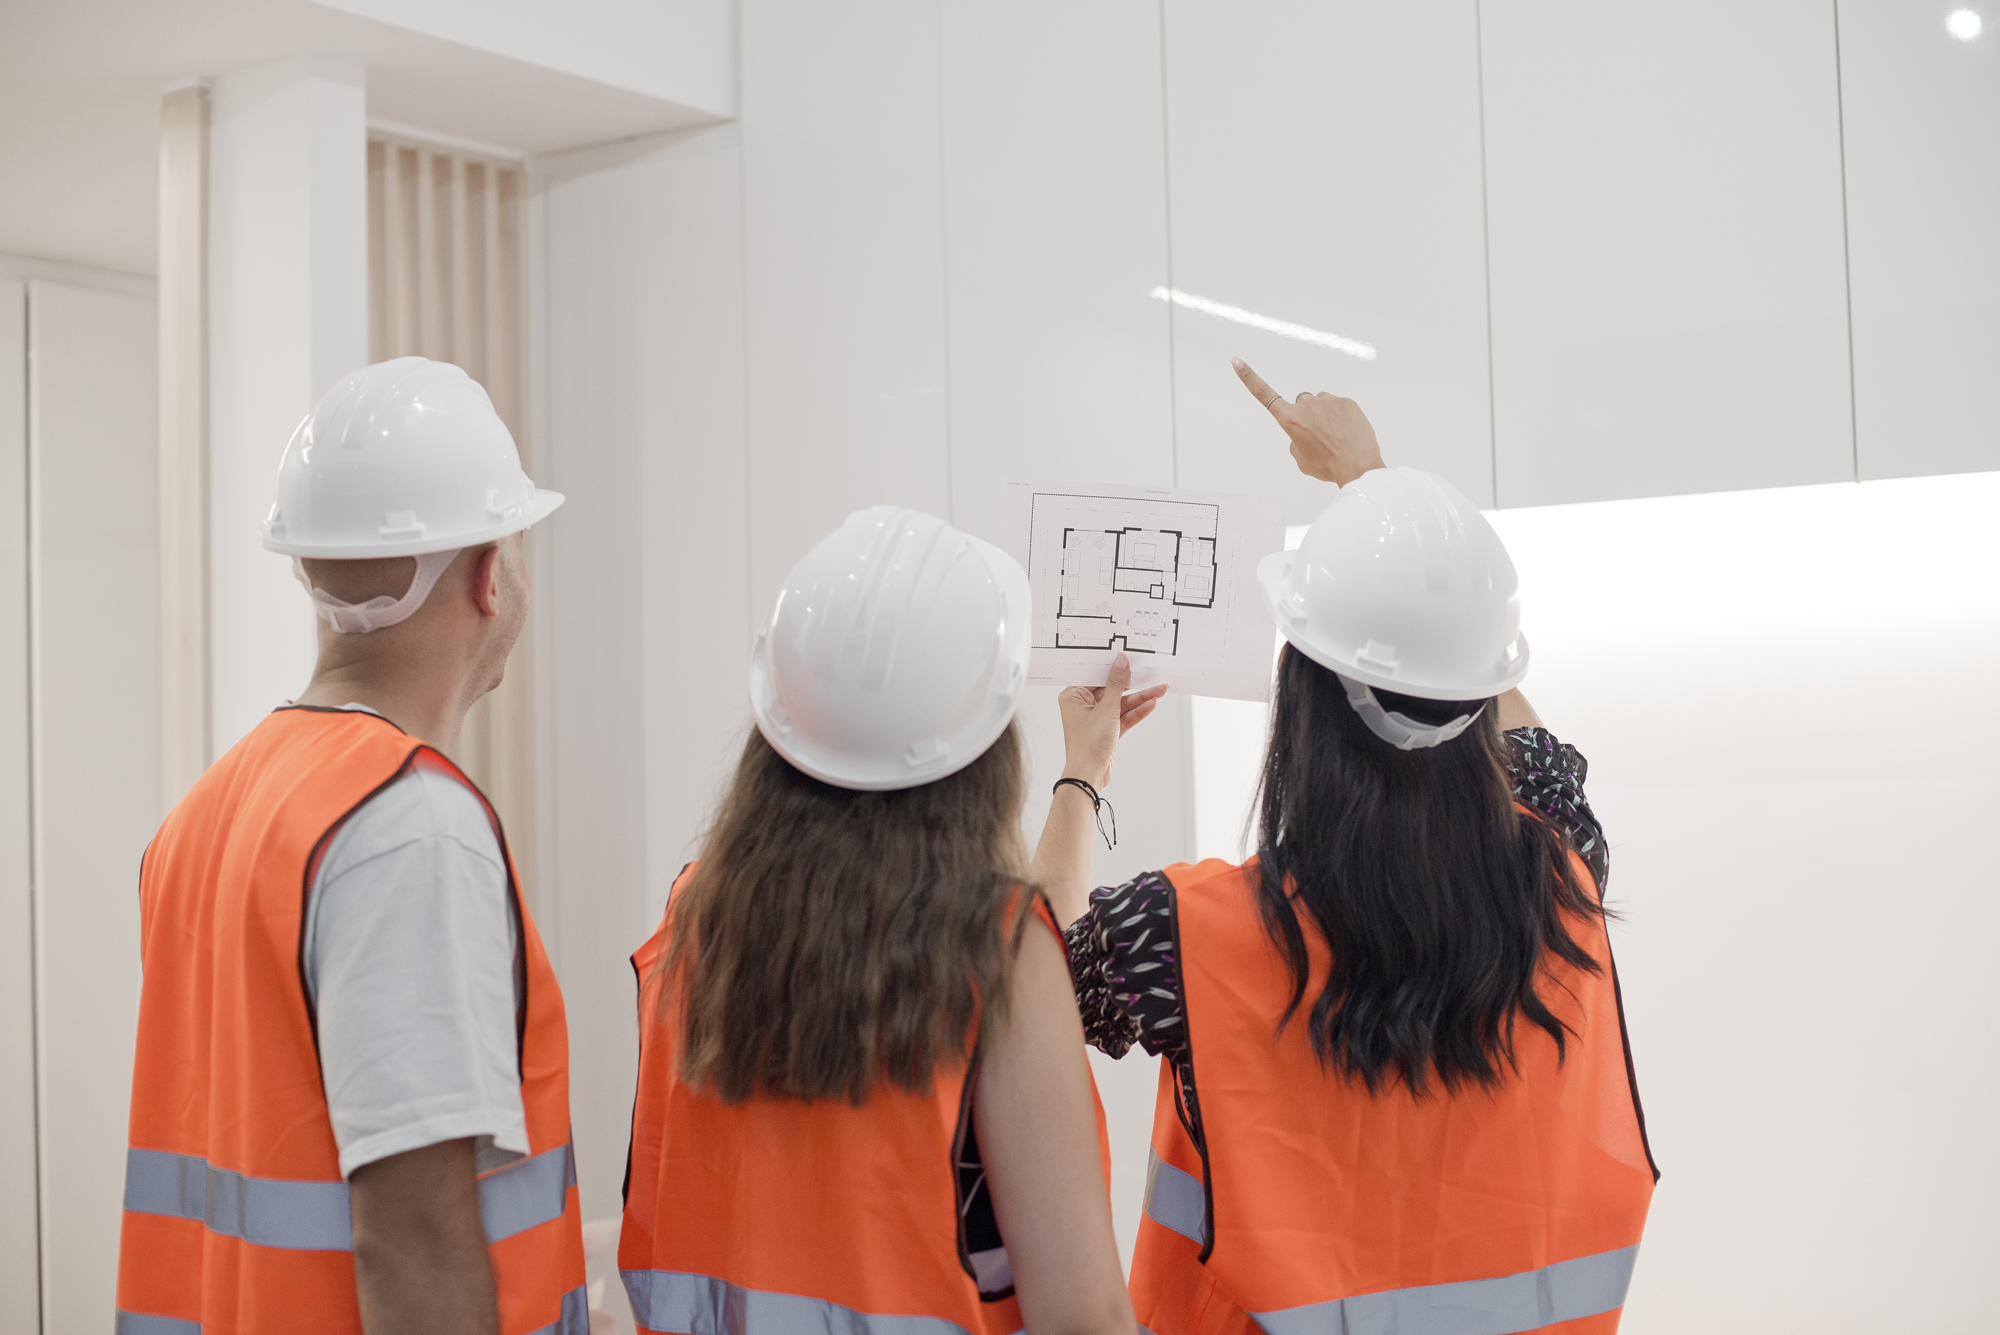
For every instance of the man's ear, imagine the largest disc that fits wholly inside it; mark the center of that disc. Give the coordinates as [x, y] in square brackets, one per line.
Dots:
[486, 580]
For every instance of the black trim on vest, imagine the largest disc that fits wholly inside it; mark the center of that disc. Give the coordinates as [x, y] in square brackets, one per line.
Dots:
[313, 858]
[970, 1192]
[318, 852]
[1631, 1071]
[1194, 1134]
[639, 988]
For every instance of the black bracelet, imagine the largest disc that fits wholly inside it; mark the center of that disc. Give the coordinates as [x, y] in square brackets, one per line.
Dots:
[1098, 806]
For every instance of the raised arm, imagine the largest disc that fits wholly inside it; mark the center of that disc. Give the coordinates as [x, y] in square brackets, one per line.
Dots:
[1093, 720]
[1332, 438]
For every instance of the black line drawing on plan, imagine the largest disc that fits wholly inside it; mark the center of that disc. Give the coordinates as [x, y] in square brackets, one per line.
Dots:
[1124, 586]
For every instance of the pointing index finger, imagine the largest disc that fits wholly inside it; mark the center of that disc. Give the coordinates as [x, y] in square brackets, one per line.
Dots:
[1253, 382]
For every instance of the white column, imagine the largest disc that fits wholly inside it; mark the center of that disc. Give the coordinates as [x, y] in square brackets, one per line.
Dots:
[288, 316]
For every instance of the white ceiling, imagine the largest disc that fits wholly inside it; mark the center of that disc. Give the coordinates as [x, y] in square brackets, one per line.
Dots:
[80, 84]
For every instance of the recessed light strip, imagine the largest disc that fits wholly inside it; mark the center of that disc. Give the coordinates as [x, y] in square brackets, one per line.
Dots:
[1222, 310]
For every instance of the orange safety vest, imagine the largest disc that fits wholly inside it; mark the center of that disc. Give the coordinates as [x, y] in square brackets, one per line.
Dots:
[236, 1216]
[1320, 1210]
[779, 1214]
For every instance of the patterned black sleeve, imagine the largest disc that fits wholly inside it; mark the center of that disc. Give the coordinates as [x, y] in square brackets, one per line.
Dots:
[1121, 961]
[1548, 776]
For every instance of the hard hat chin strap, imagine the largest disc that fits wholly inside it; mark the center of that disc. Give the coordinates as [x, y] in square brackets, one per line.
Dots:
[381, 611]
[1400, 730]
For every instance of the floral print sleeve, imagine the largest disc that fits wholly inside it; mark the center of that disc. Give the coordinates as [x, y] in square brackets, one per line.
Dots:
[1548, 776]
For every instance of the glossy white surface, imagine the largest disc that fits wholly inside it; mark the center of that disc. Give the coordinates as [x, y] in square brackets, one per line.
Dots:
[288, 316]
[844, 254]
[20, 1278]
[1923, 210]
[1803, 861]
[647, 603]
[1669, 312]
[93, 514]
[1325, 171]
[684, 51]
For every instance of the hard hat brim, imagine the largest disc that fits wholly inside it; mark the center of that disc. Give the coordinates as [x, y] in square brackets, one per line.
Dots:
[545, 504]
[1273, 578]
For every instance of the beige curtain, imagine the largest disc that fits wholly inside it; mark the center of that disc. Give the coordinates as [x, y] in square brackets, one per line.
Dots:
[446, 280]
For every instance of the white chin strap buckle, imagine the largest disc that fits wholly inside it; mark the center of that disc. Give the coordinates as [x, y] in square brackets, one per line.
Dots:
[381, 611]
[1400, 730]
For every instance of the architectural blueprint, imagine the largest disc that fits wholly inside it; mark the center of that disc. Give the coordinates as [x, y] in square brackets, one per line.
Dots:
[1167, 576]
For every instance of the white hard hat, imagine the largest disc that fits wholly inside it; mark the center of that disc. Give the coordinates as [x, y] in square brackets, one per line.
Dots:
[401, 458]
[895, 654]
[1402, 584]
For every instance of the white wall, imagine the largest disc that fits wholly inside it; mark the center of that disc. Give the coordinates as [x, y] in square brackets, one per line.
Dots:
[287, 317]
[87, 525]
[20, 1283]
[1922, 125]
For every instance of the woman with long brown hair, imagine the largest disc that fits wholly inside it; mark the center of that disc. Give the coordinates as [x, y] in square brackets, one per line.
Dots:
[863, 1100]
[1396, 1093]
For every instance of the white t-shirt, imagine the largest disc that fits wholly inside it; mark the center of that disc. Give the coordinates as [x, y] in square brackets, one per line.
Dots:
[410, 951]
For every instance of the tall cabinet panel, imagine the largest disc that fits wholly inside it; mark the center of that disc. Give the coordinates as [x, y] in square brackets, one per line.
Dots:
[19, 1251]
[844, 249]
[1922, 108]
[93, 532]
[1325, 173]
[1669, 302]
[1055, 237]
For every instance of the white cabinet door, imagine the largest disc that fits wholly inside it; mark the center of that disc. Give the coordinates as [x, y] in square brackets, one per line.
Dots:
[1669, 302]
[1325, 172]
[1055, 237]
[1922, 110]
[19, 1280]
[844, 246]
[93, 524]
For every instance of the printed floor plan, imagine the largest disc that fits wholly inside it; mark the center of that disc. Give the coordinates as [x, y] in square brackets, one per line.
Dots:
[1123, 587]
[1165, 575]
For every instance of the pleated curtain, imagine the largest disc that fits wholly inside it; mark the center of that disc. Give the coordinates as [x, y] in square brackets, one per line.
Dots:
[446, 280]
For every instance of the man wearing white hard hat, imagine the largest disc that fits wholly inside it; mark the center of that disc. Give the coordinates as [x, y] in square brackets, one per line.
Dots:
[350, 1104]
[1397, 1093]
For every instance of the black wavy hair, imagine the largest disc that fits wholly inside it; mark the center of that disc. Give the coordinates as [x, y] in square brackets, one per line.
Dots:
[1440, 902]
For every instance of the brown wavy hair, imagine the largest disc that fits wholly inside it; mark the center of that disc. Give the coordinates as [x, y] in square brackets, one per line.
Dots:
[831, 938]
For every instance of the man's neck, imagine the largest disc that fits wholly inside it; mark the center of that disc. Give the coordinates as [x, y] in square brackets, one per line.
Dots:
[427, 708]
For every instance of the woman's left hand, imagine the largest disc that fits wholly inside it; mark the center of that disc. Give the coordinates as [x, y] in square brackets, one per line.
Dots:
[1093, 720]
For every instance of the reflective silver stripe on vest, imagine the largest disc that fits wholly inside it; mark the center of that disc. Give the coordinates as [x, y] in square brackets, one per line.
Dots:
[1175, 1199]
[267, 1211]
[527, 1192]
[313, 1216]
[138, 1323]
[1565, 1291]
[575, 1318]
[672, 1300]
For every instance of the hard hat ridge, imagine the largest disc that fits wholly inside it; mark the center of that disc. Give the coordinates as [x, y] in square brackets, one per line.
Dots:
[1402, 584]
[398, 459]
[895, 654]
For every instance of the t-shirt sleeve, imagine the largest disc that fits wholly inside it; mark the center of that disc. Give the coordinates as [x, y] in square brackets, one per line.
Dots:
[410, 960]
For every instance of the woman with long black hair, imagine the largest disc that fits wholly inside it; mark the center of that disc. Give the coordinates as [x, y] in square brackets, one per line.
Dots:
[1396, 1093]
